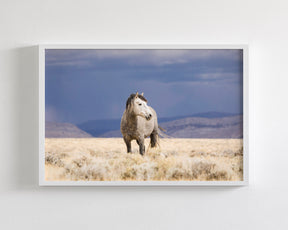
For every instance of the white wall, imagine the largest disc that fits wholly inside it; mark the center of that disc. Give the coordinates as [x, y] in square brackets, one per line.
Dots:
[261, 24]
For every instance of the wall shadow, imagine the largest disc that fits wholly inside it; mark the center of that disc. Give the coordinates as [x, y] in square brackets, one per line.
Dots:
[27, 154]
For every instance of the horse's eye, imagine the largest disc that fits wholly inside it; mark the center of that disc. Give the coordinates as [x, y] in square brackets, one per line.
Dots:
[140, 104]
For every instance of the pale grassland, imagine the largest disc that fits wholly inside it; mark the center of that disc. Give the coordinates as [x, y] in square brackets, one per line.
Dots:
[105, 159]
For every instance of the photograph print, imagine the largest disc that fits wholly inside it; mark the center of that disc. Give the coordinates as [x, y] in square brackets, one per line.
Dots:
[143, 115]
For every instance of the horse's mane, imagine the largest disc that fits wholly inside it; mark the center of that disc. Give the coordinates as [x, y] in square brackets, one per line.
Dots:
[132, 96]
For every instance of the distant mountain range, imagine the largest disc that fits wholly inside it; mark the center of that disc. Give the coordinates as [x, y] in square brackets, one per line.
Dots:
[98, 127]
[198, 127]
[201, 125]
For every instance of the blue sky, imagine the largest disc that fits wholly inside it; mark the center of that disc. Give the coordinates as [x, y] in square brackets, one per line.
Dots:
[83, 85]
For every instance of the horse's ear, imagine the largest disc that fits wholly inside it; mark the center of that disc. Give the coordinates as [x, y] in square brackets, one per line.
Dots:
[136, 95]
[142, 94]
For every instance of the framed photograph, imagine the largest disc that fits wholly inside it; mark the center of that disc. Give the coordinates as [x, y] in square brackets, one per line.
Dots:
[145, 115]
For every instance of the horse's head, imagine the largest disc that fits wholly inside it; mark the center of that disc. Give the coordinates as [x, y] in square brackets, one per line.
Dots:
[137, 105]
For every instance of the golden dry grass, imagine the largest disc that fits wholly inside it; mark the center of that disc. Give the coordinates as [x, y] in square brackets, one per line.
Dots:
[105, 159]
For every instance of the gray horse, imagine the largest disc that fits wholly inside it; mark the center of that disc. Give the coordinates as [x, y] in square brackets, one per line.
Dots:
[138, 122]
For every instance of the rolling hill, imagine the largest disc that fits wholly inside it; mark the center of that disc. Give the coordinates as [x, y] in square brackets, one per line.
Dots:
[64, 130]
[199, 127]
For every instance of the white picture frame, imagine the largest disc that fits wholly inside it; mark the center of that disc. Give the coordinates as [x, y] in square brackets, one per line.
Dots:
[246, 119]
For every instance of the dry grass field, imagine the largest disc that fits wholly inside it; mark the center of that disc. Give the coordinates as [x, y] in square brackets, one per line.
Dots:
[105, 159]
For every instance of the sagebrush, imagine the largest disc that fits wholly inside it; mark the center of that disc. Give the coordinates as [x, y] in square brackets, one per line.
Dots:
[105, 159]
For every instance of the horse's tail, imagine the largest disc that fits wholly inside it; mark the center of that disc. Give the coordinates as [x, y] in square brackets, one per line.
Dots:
[154, 137]
[161, 132]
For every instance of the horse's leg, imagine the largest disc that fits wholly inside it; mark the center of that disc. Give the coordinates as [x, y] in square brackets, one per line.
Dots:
[128, 145]
[141, 146]
[153, 139]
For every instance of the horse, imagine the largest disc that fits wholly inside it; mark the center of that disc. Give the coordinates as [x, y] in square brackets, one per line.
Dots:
[138, 122]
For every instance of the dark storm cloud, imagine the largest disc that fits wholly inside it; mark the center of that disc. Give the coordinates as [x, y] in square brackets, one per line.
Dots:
[161, 65]
[94, 84]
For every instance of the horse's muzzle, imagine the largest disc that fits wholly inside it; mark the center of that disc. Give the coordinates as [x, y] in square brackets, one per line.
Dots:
[149, 117]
